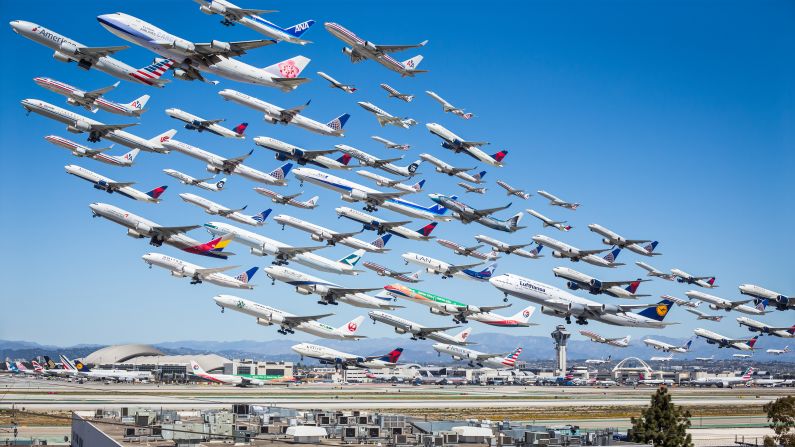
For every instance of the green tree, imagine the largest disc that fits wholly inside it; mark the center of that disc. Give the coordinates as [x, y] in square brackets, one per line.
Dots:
[781, 416]
[663, 424]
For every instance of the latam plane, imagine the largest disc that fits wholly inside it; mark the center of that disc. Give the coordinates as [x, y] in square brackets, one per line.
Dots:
[93, 100]
[199, 274]
[447, 270]
[78, 150]
[110, 186]
[457, 144]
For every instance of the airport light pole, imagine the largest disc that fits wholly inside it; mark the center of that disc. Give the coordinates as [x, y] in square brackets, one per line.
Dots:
[561, 338]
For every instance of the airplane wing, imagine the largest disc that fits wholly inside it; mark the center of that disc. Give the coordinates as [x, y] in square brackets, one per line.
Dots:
[93, 95]
[384, 119]
[385, 161]
[232, 163]
[459, 170]
[119, 185]
[608, 284]
[289, 114]
[295, 321]
[637, 241]
[475, 143]
[626, 307]
[291, 196]
[487, 211]
[316, 153]
[431, 330]
[356, 56]
[105, 128]
[490, 308]
[200, 180]
[342, 291]
[92, 152]
[396, 48]
[388, 225]
[700, 278]
[341, 236]
[98, 52]
[205, 123]
[236, 12]
[231, 48]
[382, 196]
[457, 268]
[227, 212]
[167, 232]
[485, 356]
[734, 304]
[591, 252]
[517, 246]
[209, 271]
[292, 251]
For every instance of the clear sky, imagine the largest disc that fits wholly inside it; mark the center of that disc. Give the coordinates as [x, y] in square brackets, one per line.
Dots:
[668, 120]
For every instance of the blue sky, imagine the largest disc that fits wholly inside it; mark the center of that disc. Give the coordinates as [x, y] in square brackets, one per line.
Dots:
[667, 120]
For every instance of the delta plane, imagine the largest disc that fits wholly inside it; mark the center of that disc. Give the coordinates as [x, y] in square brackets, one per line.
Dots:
[713, 338]
[333, 83]
[651, 271]
[288, 199]
[250, 19]
[386, 165]
[225, 379]
[110, 186]
[612, 238]
[577, 280]
[667, 347]
[199, 274]
[780, 301]
[216, 209]
[382, 226]
[193, 122]
[439, 305]
[504, 360]
[448, 169]
[557, 201]
[717, 303]
[285, 151]
[343, 360]
[361, 49]
[471, 148]
[203, 183]
[686, 278]
[383, 117]
[511, 191]
[380, 270]
[449, 108]
[93, 100]
[472, 188]
[516, 249]
[468, 251]
[78, 150]
[331, 237]
[762, 328]
[389, 183]
[547, 222]
[563, 250]
[420, 332]
[467, 214]
[619, 342]
[393, 93]
[390, 144]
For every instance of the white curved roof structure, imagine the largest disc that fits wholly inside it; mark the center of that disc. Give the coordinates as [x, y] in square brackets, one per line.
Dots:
[633, 364]
[138, 355]
[119, 354]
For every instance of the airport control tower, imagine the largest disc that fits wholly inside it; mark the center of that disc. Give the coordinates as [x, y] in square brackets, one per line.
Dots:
[561, 337]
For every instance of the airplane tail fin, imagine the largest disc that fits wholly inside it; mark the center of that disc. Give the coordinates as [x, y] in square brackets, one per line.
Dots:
[151, 74]
[215, 246]
[393, 355]
[687, 345]
[240, 128]
[418, 186]
[479, 176]
[487, 272]
[139, 104]
[463, 335]
[21, 366]
[129, 157]
[353, 258]
[11, 367]
[158, 140]
[412, 168]
[633, 286]
[36, 366]
[536, 251]
[260, 218]
[499, 156]
[352, 326]
[299, 28]
[427, 229]
[67, 364]
[195, 368]
[312, 202]
[220, 183]
[523, 316]
[289, 68]
[626, 339]
[81, 367]
[48, 361]
[413, 63]
[157, 192]
[711, 281]
[382, 241]
[611, 257]
[439, 209]
[416, 275]
[338, 123]
[246, 276]
[344, 159]
[649, 248]
[510, 360]
[762, 305]
[750, 371]
[281, 172]
[659, 311]
[513, 222]
[792, 329]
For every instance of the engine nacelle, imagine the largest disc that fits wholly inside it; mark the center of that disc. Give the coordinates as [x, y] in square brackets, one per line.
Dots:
[143, 229]
[550, 311]
[206, 10]
[264, 322]
[325, 236]
[782, 299]
[431, 270]
[60, 57]
[82, 126]
[557, 254]
[220, 45]
[217, 8]
[357, 194]
[257, 251]
[183, 45]
[577, 309]
[177, 274]
[213, 169]
[450, 309]
[347, 51]
[436, 311]
[572, 285]
[67, 48]
[595, 284]
[316, 237]
[370, 46]
[611, 309]
[182, 74]
[713, 307]
[607, 241]
[135, 234]
[400, 330]
[303, 290]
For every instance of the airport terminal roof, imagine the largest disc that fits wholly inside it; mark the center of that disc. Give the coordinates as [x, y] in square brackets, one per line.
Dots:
[149, 355]
[119, 354]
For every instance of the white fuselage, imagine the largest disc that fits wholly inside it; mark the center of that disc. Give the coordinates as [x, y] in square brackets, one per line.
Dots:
[404, 326]
[215, 164]
[563, 250]
[194, 122]
[371, 222]
[217, 209]
[387, 183]
[284, 151]
[758, 326]
[590, 284]
[375, 162]
[557, 201]
[273, 113]
[183, 269]
[106, 184]
[306, 284]
[547, 221]
[663, 346]
[721, 341]
[457, 144]
[254, 22]
[685, 277]
[502, 247]
[717, 303]
[460, 353]
[332, 356]
[78, 150]
[445, 168]
[78, 97]
[185, 179]
[323, 234]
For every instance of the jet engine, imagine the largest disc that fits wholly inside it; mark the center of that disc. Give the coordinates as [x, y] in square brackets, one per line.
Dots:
[550, 311]
[572, 285]
[400, 330]
[577, 309]
[142, 228]
[714, 307]
[347, 51]
[357, 194]
[436, 311]
[134, 234]
[67, 48]
[183, 45]
[595, 284]
[264, 322]
[257, 251]
[79, 126]
[557, 254]
[60, 57]
[607, 241]
[303, 290]
[220, 45]
[217, 8]
[213, 169]
[781, 299]
[370, 46]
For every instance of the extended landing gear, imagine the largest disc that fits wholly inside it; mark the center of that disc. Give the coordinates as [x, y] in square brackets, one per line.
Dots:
[370, 208]
[227, 22]
[568, 320]
[156, 242]
[195, 281]
[581, 320]
[285, 331]
[505, 297]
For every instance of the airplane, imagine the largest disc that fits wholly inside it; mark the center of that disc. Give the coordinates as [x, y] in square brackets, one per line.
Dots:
[120, 375]
[419, 331]
[110, 186]
[354, 192]
[619, 342]
[289, 323]
[68, 50]
[385, 117]
[684, 303]
[371, 161]
[559, 303]
[563, 250]
[742, 356]
[199, 274]
[380, 270]
[20, 368]
[725, 382]
[547, 222]
[462, 173]
[139, 228]
[472, 188]
[202, 183]
[659, 359]
[717, 303]
[447, 107]
[516, 249]
[519, 319]
[703, 315]
[780, 301]
[762, 328]
[513, 191]
[217, 209]
[333, 83]
[468, 251]
[283, 253]
[599, 361]
[289, 199]
[361, 49]
[392, 93]
[557, 201]
[667, 347]
[250, 19]
[93, 100]
[713, 338]
[499, 361]
[467, 214]
[331, 237]
[706, 359]
[76, 123]
[285, 151]
[612, 238]
[382, 226]
[594, 286]
[343, 360]
[214, 57]
[79, 150]
[225, 379]
[217, 164]
[391, 145]
[439, 305]
[687, 278]
[778, 351]
[193, 122]
[435, 266]
[389, 183]
[651, 271]
[471, 148]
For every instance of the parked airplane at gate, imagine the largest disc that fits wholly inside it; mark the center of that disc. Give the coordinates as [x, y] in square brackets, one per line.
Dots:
[361, 49]
[199, 274]
[687, 278]
[343, 360]
[713, 338]
[68, 50]
[651, 271]
[667, 347]
[385, 117]
[562, 250]
[439, 305]
[333, 83]
[79, 151]
[467, 214]
[468, 251]
[226, 379]
[390, 144]
[203, 183]
[331, 237]
[619, 342]
[284, 151]
[547, 222]
[193, 122]
[577, 280]
[557, 201]
[387, 165]
[93, 100]
[504, 360]
[516, 249]
[612, 238]
[717, 303]
[393, 93]
[471, 148]
[449, 108]
[762, 328]
[389, 183]
[420, 332]
[329, 292]
[110, 186]
[462, 173]
[217, 209]
[250, 19]
[780, 301]
[382, 226]
[289, 199]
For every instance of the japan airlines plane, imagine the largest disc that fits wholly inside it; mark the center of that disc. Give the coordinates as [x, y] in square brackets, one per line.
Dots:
[76, 123]
[289, 323]
[93, 100]
[511, 191]
[217, 209]
[499, 361]
[725, 382]
[704, 316]
[217, 164]
[385, 117]
[380, 270]
[687, 278]
[562, 304]
[329, 292]
[382, 226]
[619, 342]
[439, 305]
[390, 144]
[472, 188]
[562, 250]
[371, 161]
[214, 57]
[557, 201]
[594, 286]
[547, 222]
[437, 267]
[713, 338]
[651, 271]
[462, 173]
[361, 49]
[139, 228]
[612, 238]
[471, 148]
[467, 214]
[289, 199]
[355, 192]
[343, 360]
[780, 301]
[468, 251]
[333, 83]
[382, 181]
[68, 50]
[79, 151]
[516, 249]
[393, 93]
[202, 183]
[110, 186]
[667, 347]
[519, 319]
[762, 328]
[778, 351]
[284, 151]
[331, 237]
[198, 274]
[420, 332]
[226, 379]
[449, 108]
[249, 18]
[193, 122]
[717, 303]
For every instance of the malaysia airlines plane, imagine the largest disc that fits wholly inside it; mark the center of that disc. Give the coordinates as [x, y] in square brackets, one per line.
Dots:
[343, 360]
[612, 238]
[420, 332]
[199, 274]
[445, 168]
[93, 100]
[516, 249]
[547, 222]
[667, 347]
[713, 338]
[449, 108]
[763, 328]
[780, 301]
[203, 183]
[471, 148]
[577, 280]
[80, 151]
[439, 305]
[619, 342]
[383, 117]
[226, 379]
[289, 199]
[382, 226]
[499, 361]
[214, 57]
[389, 183]
[217, 209]
[557, 201]
[193, 122]
[563, 250]
[708, 282]
[331, 237]
[329, 292]
[284, 151]
[110, 186]
[361, 49]
[717, 303]
[250, 18]
[68, 50]
[386, 165]
[469, 251]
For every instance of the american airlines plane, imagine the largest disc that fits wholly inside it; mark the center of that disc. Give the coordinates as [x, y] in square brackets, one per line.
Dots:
[250, 19]
[93, 100]
[482, 359]
[78, 150]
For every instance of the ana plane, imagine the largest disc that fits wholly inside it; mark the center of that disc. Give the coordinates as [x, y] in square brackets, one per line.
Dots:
[380, 270]
[382, 226]
[498, 361]
[289, 199]
[203, 183]
[361, 49]
[687, 278]
[713, 338]
[762, 328]
[467, 214]
[667, 347]
[439, 305]
[471, 148]
[333, 83]
[387, 165]
[79, 151]
[513, 191]
[198, 274]
[331, 237]
[390, 144]
[217, 209]
[250, 19]
[284, 151]
[577, 280]
[449, 108]
[343, 360]
[780, 301]
[193, 122]
[547, 222]
[717, 303]
[557, 201]
[516, 249]
[619, 342]
[420, 332]
[329, 292]
[392, 93]
[93, 100]
[468, 251]
[110, 186]
[389, 183]
[385, 117]
[563, 250]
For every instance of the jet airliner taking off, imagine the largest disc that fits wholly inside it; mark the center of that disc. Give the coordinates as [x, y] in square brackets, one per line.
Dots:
[217, 209]
[499, 361]
[557, 201]
[343, 360]
[380, 270]
[612, 238]
[390, 144]
[78, 150]
[385, 117]
[385, 164]
[462, 173]
[193, 122]
[763, 328]
[361, 49]
[547, 222]
[393, 93]
[511, 191]
[651, 271]
[708, 282]
[331, 237]
[110, 186]
[780, 301]
[382, 226]
[471, 148]
[447, 270]
[333, 83]
[93, 100]
[577, 280]
[516, 249]
[667, 347]
[717, 303]
[198, 274]
[249, 18]
[713, 338]
[288, 199]
[619, 342]
[439, 305]
[285, 151]
[420, 332]
[203, 183]
[467, 214]
[563, 250]
[382, 181]
[449, 108]
[468, 251]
